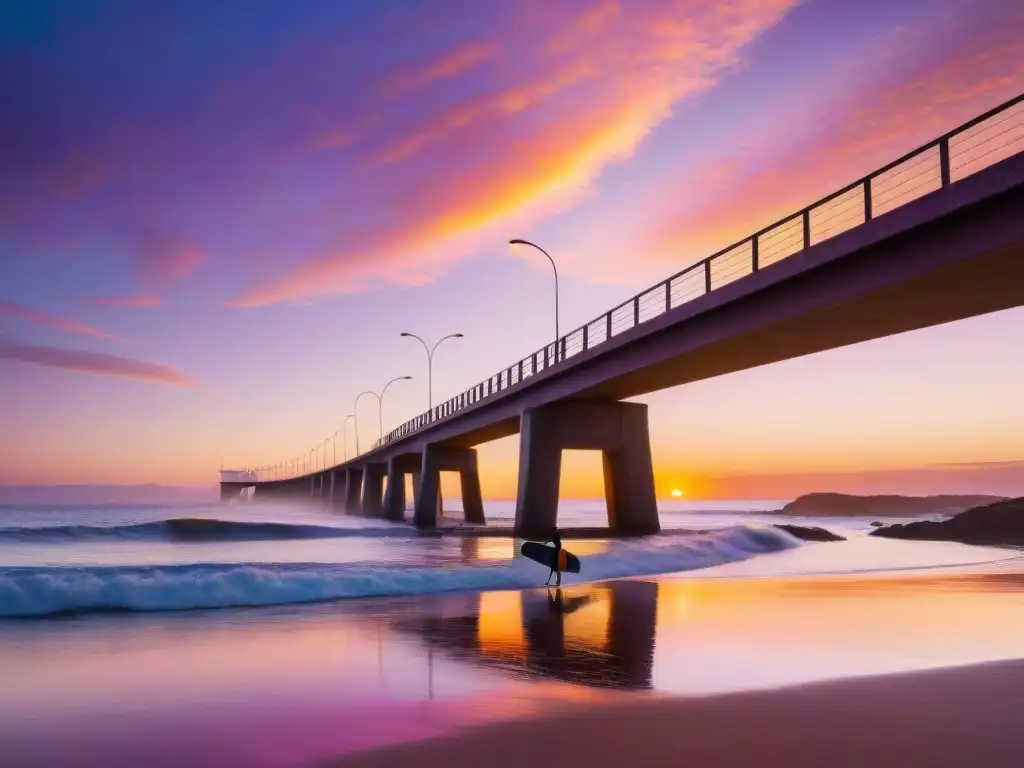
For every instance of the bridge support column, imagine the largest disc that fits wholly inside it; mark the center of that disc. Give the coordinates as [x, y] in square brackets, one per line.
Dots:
[229, 491]
[353, 483]
[330, 490]
[438, 459]
[619, 431]
[373, 488]
[398, 467]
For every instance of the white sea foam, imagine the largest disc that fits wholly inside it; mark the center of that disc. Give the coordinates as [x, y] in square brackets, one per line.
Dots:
[38, 591]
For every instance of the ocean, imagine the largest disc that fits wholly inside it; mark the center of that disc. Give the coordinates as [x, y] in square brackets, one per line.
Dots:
[75, 559]
[270, 634]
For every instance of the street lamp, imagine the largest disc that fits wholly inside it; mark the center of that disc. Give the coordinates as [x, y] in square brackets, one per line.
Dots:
[380, 404]
[430, 363]
[334, 448]
[344, 432]
[534, 245]
[380, 407]
[355, 414]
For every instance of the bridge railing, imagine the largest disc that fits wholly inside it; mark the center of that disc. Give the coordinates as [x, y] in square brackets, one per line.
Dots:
[977, 144]
[968, 148]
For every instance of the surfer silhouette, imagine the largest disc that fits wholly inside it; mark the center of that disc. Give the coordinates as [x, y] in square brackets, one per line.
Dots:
[556, 539]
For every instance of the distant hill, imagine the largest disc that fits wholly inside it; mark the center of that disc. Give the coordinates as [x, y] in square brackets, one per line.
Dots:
[996, 524]
[106, 494]
[841, 504]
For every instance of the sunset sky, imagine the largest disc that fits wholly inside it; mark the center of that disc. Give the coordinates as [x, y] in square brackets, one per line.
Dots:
[217, 218]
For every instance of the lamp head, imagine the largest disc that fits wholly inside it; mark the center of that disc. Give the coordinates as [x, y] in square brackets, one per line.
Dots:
[406, 378]
[405, 334]
[458, 335]
[517, 241]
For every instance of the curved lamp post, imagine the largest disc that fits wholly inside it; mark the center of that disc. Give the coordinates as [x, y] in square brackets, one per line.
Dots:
[430, 364]
[380, 403]
[344, 433]
[355, 414]
[517, 241]
[380, 407]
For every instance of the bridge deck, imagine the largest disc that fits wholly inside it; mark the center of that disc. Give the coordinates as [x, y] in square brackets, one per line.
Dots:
[952, 253]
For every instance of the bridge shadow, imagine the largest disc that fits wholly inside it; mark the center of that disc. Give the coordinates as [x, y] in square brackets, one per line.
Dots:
[599, 636]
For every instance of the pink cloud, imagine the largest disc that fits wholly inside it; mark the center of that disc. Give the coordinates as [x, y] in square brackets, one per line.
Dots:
[868, 124]
[453, 63]
[502, 103]
[516, 154]
[165, 259]
[138, 300]
[32, 315]
[91, 362]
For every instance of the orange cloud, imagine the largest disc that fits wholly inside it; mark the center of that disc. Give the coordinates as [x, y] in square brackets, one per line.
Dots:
[451, 64]
[552, 169]
[138, 300]
[91, 362]
[31, 315]
[625, 83]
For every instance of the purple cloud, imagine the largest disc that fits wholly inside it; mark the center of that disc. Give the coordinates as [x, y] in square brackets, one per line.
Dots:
[31, 315]
[137, 300]
[81, 361]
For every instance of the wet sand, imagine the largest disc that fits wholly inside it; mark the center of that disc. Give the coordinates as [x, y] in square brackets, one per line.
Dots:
[967, 716]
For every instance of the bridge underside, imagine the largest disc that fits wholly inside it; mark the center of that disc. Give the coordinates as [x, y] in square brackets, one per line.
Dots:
[950, 255]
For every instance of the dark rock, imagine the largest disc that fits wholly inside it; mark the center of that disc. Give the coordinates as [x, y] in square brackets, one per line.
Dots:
[810, 533]
[877, 524]
[996, 524]
[822, 504]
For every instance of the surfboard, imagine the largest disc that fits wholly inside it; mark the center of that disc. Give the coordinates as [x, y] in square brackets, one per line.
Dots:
[545, 555]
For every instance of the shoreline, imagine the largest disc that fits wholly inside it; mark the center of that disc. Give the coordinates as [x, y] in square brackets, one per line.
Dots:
[968, 715]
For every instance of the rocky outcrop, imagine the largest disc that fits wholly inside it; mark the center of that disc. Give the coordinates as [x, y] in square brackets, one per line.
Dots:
[841, 504]
[999, 524]
[809, 533]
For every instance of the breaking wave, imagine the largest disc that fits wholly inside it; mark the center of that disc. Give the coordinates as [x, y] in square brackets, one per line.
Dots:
[40, 591]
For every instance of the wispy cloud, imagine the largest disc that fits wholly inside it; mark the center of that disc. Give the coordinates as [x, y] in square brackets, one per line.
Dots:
[916, 93]
[1015, 464]
[614, 88]
[163, 258]
[81, 361]
[453, 63]
[32, 315]
[137, 300]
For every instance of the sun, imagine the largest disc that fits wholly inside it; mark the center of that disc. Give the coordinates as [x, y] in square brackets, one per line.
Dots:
[676, 493]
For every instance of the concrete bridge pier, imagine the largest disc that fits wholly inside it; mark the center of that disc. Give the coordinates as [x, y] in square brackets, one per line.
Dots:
[373, 488]
[394, 498]
[229, 491]
[437, 459]
[353, 485]
[619, 431]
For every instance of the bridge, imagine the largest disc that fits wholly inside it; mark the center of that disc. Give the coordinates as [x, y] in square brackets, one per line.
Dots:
[935, 236]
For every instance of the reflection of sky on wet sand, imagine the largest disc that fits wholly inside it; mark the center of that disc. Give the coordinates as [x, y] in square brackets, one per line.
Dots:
[276, 686]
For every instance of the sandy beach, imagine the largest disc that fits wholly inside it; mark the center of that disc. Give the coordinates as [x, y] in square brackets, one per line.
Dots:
[967, 716]
[837, 654]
